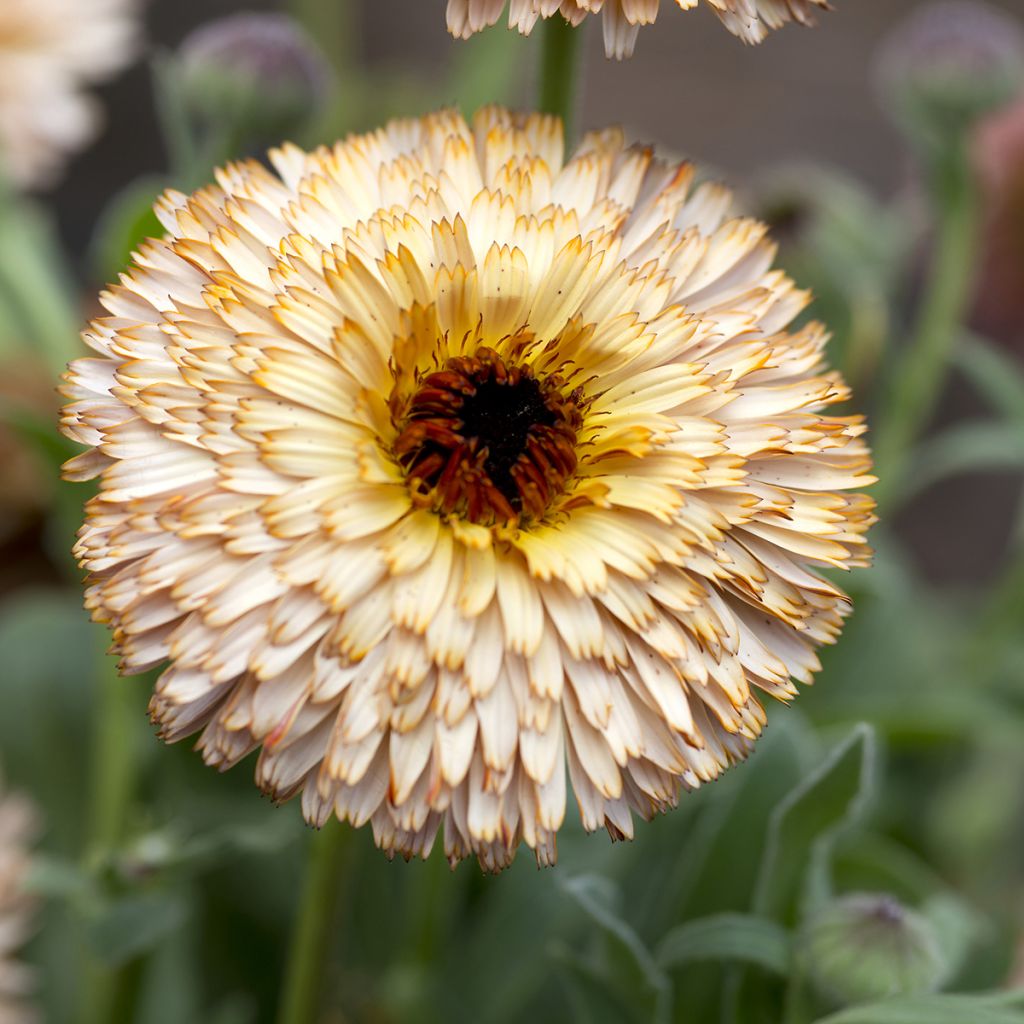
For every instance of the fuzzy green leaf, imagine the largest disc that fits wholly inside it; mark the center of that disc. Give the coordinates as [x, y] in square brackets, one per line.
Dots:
[805, 822]
[994, 1009]
[730, 937]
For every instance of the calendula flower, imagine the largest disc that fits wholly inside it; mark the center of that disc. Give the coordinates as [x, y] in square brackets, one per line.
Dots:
[751, 20]
[438, 466]
[17, 826]
[50, 50]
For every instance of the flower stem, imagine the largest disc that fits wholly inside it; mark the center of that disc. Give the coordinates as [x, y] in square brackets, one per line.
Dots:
[110, 991]
[333, 25]
[113, 757]
[919, 375]
[310, 941]
[558, 69]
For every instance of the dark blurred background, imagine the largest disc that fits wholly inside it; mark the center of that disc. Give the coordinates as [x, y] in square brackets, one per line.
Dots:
[689, 87]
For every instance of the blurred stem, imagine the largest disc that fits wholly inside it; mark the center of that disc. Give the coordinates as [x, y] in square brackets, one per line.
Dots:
[332, 24]
[111, 992]
[35, 283]
[558, 69]
[183, 150]
[918, 377]
[327, 859]
[113, 757]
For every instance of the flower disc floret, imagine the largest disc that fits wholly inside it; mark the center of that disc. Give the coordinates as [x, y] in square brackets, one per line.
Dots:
[447, 472]
[488, 441]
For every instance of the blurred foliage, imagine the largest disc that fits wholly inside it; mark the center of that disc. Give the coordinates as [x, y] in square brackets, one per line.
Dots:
[710, 914]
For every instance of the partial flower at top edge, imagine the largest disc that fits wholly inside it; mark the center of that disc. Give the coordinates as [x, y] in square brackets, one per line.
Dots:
[750, 20]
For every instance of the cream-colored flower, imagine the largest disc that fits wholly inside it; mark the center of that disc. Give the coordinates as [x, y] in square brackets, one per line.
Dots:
[751, 20]
[441, 465]
[49, 50]
[17, 827]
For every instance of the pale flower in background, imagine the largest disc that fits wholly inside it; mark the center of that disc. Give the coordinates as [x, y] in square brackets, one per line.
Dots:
[17, 828]
[751, 20]
[50, 50]
[447, 470]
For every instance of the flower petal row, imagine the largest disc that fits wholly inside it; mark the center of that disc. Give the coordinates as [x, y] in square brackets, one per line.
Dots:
[302, 410]
[49, 50]
[750, 20]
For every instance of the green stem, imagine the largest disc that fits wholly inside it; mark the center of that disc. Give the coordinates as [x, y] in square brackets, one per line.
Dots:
[920, 374]
[310, 942]
[113, 757]
[333, 26]
[184, 153]
[110, 992]
[35, 283]
[559, 59]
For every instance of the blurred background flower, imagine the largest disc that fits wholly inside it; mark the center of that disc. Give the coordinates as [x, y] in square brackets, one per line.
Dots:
[252, 80]
[17, 982]
[50, 52]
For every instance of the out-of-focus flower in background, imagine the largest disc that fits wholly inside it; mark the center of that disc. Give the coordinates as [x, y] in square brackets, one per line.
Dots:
[948, 64]
[17, 829]
[751, 20]
[439, 464]
[50, 50]
[999, 161]
[258, 74]
[864, 947]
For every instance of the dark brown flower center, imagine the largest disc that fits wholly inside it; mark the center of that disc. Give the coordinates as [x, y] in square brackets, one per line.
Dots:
[487, 441]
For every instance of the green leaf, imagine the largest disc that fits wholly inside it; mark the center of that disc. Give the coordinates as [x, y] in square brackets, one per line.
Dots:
[731, 937]
[60, 878]
[136, 924]
[977, 447]
[1000, 1008]
[127, 221]
[36, 289]
[957, 927]
[994, 372]
[806, 822]
[595, 896]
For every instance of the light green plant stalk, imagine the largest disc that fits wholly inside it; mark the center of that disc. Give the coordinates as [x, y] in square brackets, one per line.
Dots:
[34, 283]
[918, 376]
[558, 70]
[335, 27]
[310, 944]
[110, 992]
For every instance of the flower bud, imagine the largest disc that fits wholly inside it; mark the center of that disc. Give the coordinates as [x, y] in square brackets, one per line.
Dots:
[947, 64]
[259, 74]
[868, 946]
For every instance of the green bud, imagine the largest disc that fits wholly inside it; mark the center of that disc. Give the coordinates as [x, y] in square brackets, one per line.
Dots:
[257, 75]
[868, 946]
[948, 64]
